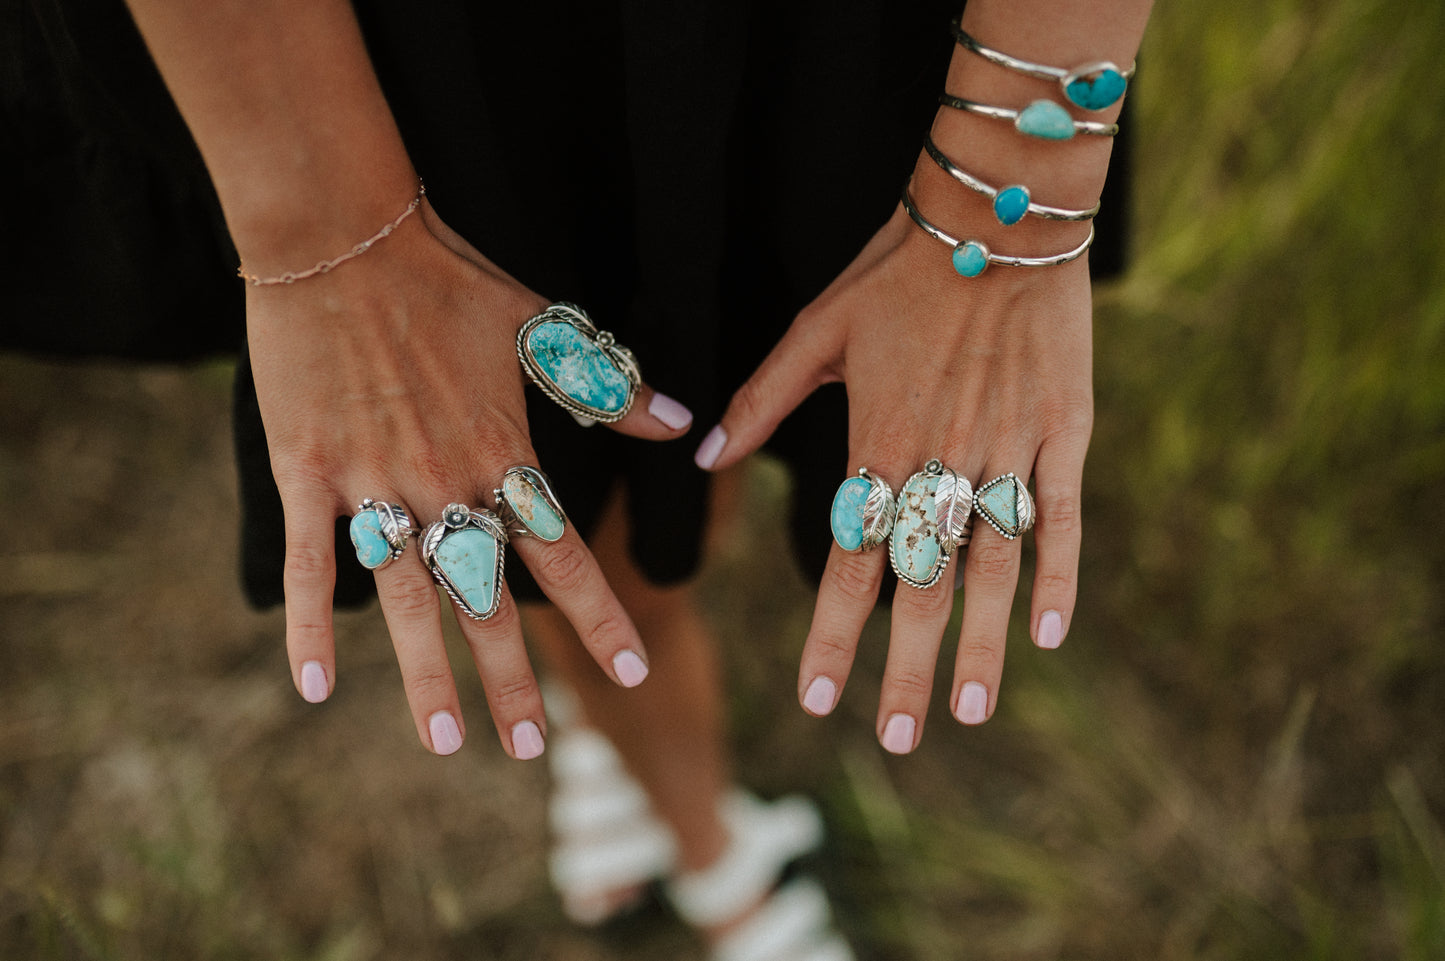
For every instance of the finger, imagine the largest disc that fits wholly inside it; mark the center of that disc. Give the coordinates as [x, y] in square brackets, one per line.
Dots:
[990, 576]
[786, 376]
[846, 596]
[654, 416]
[308, 579]
[570, 576]
[920, 616]
[413, 617]
[513, 696]
[1057, 537]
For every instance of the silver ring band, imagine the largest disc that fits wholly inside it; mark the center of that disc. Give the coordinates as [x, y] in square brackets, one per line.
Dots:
[997, 196]
[1097, 85]
[972, 257]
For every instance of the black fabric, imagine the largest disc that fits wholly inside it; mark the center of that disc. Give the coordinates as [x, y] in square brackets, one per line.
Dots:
[692, 173]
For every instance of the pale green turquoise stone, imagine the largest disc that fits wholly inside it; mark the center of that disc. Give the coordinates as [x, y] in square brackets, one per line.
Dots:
[532, 508]
[372, 550]
[1010, 205]
[847, 519]
[1002, 502]
[1046, 120]
[969, 259]
[468, 558]
[578, 367]
[916, 552]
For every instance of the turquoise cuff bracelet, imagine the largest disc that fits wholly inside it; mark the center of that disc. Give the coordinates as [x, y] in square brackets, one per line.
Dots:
[1043, 119]
[1091, 86]
[972, 257]
[1010, 203]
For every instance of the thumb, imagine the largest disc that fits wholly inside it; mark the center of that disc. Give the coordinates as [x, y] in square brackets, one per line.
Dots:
[802, 362]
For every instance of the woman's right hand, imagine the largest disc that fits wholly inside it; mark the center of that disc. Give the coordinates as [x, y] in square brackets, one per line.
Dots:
[395, 377]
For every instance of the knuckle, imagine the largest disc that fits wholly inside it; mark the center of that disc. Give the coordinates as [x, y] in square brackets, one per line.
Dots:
[973, 650]
[1062, 513]
[308, 566]
[561, 567]
[429, 684]
[993, 562]
[747, 403]
[513, 694]
[610, 629]
[1054, 584]
[910, 683]
[831, 647]
[411, 605]
[857, 581]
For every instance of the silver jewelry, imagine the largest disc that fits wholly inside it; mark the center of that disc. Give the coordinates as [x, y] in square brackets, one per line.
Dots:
[528, 506]
[378, 532]
[464, 552]
[972, 257]
[581, 368]
[1009, 203]
[863, 512]
[952, 507]
[1090, 86]
[1043, 119]
[932, 523]
[326, 266]
[1005, 503]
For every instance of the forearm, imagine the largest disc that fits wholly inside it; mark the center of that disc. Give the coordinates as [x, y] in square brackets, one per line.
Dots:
[286, 109]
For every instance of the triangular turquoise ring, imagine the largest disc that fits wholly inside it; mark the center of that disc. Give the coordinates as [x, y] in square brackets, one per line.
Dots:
[464, 552]
[1005, 503]
[378, 532]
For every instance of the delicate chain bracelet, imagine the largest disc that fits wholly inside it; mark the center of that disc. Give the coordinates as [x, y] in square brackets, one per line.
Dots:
[326, 266]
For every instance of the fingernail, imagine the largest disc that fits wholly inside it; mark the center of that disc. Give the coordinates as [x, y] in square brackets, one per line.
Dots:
[712, 445]
[630, 669]
[313, 682]
[898, 734]
[670, 412]
[1051, 630]
[446, 737]
[583, 420]
[820, 696]
[972, 703]
[527, 741]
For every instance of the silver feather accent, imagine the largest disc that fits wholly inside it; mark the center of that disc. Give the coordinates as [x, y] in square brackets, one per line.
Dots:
[952, 505]
[879, 510]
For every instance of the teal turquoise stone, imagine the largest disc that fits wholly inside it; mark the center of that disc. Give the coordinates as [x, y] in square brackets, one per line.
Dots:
[532, 508]
[1010, 205]
[847, 519]
[578, 367]
[372, 550]
[970, 258]
[916, 551]
[1046, 120]
[468, 558]
[1001, 501]
[1104, 89]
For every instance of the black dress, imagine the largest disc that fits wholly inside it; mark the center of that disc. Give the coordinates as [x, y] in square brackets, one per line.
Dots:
[692, 173]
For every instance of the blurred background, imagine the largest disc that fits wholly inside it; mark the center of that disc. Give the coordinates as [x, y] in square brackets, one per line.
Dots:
[1236, 754]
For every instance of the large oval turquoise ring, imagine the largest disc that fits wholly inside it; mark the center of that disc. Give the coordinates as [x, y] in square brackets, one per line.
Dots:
[528, 506]
[378, 532]
[464, 552]
[863, 511]
[580, 367]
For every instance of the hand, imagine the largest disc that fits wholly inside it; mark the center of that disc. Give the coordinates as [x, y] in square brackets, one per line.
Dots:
[990, 375]
[395, 377]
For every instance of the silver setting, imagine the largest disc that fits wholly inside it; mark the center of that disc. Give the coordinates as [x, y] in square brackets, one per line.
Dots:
[620, 356]
[1002, 260]
[879, 509]
[460, 517]
[540, 482]
[1064, 76]
[1023, 506]
[395, 525]
[953, 508]
[991, 192]
[934, 468]
[1091, 127]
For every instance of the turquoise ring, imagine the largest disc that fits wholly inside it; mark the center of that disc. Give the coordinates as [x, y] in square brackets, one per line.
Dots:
[580, 367]
[528, 506]
[464, 552]
[935, 508]
[378, 532]
[1005, 503]
[863, 512]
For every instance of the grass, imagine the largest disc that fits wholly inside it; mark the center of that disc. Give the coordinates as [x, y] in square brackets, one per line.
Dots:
[1236, 754]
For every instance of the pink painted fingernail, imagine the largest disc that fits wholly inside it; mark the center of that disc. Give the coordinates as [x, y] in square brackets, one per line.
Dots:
[630, 669]
[670, 412]
[819, 698]
[898, 734]
[1051, 630]
[313, 682]
[972, 703]
[711, 447]
[446, 737]
[527, 741]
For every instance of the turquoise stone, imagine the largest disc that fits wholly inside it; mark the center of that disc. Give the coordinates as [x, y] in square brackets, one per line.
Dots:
[1104, 89]
[970, 258]
[1001, 502]
[1010, 205]
[917, 555]
[468, 558]
[531, 507]
[578, 367]
[1046, 120]
[372, 550]
[847, 518]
